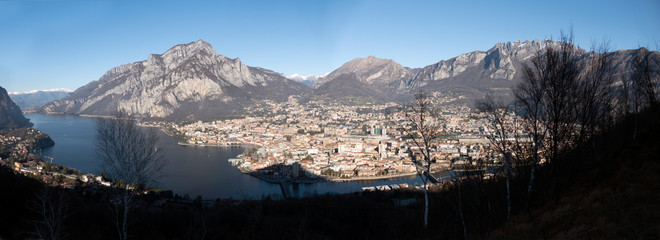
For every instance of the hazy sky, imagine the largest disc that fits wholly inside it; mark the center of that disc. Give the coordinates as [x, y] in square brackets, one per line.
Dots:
[66, 44]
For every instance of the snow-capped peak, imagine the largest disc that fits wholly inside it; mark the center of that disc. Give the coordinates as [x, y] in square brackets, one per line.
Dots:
[300, 78]
[296, 76]
[48, 90]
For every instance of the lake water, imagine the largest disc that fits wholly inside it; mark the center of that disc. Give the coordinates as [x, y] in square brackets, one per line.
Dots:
[191, 170]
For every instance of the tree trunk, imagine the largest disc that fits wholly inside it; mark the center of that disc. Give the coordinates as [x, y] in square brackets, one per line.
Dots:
[531, 179]
[535, 161]
[426, 207]
[124, 231]
[508, 187]
[460, 210]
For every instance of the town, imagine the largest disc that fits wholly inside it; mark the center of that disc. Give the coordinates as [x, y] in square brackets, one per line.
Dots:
[323, 140]
[319, 140]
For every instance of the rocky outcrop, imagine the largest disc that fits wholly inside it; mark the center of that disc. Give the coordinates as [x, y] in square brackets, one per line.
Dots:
[10, 115]
[502, 62]
[189, 81]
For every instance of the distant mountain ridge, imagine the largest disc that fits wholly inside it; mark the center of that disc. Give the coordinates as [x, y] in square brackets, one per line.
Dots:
[308, 80]
[478, 71]
[193, 82]
[187, 82]
[11, 115]
[472, 74]
[36, 98]
[47, 90]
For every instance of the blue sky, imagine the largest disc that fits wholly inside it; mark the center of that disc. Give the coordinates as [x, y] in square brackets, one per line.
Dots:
[66, 44]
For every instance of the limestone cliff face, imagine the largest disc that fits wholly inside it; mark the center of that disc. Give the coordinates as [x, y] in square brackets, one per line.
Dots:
[188, 81]
[502, 62]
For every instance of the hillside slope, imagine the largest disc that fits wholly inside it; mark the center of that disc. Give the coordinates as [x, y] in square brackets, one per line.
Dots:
[10, 115]
[614, 196]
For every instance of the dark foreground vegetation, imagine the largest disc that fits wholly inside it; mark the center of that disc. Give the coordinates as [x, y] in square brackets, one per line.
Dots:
[612, 193]
[609, 191]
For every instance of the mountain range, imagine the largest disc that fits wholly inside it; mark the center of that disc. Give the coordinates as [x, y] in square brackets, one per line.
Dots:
[193, 82]
[37, 98]
[474, 74]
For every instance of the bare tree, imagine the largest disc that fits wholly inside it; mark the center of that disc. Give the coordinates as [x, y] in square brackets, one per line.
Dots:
[460, 206]
[529, 97]
[548, 97]
[559, 86]
[638, 90]
[423, 130]
[501, 121]
[644, 76]
[52, 210]
[594, 100]
[199, 228]
[129, 155]
[623, 99]
[643, 82]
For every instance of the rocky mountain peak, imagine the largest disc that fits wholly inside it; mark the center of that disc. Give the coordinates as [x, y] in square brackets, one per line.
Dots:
[365, 64]
[524, 49]
[370, 70]
[198, 46]
[519, 49]
[183, 52]
[187, 81]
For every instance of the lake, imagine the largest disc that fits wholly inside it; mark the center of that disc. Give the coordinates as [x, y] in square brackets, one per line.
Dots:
[190, 170]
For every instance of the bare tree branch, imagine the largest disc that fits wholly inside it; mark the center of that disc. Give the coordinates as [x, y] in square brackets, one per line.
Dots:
[129, 155]
[423, 129]
[52, 210]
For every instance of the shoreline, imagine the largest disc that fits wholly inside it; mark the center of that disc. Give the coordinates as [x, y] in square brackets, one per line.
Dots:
[213, 145]
[383, 177]
[331, 179]
[320, 178]
[273, 181]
